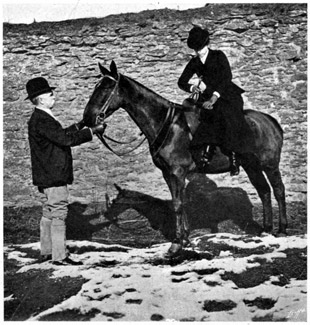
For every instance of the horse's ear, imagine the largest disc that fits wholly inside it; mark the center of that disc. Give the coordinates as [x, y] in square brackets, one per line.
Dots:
[113, 70]
[103, 70]
[119, 189]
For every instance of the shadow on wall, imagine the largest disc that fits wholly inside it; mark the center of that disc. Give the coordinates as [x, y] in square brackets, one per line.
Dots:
[142, 220]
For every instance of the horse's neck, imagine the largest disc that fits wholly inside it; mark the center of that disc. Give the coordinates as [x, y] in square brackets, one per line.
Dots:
[145, 107]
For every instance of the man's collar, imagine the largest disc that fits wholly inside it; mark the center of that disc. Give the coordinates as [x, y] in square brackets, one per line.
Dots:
[47, 110]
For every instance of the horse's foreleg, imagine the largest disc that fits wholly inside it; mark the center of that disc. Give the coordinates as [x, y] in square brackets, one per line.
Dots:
[275, 180]
[257, 178]
[176, 183]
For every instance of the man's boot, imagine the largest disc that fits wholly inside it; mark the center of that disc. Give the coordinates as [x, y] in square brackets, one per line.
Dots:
[234, 165]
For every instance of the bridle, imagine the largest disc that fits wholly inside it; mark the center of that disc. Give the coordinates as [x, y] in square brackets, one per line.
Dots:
[160, 138]
[102, 114]
[106, 105]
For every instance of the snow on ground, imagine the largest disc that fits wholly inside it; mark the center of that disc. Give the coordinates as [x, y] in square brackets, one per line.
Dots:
[127, 284]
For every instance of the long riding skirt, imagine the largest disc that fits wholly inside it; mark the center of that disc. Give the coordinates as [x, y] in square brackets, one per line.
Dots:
[225, 126]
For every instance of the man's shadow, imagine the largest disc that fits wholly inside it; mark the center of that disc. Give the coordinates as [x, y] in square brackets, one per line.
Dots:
[207, 207]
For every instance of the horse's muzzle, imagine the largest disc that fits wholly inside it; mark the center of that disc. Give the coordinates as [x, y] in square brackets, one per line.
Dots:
[88, 120]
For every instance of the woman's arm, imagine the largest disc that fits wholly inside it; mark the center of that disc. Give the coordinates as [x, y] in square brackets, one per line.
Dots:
[185, 77]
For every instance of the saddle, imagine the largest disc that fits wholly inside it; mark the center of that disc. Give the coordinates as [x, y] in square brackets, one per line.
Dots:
[200, 122]
[192, 114]
[203, 151]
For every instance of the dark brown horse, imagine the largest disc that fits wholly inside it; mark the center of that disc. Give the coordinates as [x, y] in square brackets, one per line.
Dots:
[168, 129]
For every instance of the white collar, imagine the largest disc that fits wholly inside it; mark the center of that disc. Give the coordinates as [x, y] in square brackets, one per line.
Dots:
[203, 54]
[48, 111]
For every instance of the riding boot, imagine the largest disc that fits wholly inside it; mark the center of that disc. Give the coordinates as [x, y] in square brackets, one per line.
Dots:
[207, 154]
[234, 165]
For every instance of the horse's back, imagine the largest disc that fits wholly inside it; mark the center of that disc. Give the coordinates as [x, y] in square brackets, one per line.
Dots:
[260, 116]
[268, 135]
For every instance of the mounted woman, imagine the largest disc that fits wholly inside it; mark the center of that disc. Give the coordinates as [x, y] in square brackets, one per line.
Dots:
[222, 119]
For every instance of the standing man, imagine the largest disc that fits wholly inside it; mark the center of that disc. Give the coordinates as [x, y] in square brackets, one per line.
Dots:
[52, 168]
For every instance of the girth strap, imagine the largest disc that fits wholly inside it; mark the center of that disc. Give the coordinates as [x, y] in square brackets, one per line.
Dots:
[161, 137]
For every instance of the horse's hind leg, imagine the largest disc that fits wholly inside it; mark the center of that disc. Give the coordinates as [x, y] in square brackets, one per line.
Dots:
[275, 180]
[253, 169]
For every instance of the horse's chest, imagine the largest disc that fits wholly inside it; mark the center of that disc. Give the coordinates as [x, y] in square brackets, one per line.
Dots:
[176, 144]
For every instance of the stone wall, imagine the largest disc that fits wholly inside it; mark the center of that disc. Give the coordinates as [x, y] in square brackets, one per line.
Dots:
[267, 49]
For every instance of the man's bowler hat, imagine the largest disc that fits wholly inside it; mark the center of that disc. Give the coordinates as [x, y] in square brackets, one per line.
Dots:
[197, 38]
[38, 86]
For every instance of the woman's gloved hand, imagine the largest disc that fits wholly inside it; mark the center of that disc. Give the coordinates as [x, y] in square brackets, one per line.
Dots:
[209, 103]
[195, 89]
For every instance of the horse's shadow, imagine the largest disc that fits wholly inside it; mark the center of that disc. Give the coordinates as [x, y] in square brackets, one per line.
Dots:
[80, 221]
[208, 207]
[223, 209]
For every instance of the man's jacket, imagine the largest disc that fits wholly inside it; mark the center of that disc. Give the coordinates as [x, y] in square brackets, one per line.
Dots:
[50, 150]
[215, 73]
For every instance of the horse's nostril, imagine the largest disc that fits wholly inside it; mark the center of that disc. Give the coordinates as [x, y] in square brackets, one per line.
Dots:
[89, 120]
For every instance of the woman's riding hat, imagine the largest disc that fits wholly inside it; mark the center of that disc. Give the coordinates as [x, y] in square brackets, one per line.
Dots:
[37, 86]
[197, 38]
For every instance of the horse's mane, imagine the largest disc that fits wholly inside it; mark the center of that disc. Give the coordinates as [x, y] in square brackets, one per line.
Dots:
[160, 99]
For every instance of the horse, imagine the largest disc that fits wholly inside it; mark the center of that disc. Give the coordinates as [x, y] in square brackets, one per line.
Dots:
[168, 128]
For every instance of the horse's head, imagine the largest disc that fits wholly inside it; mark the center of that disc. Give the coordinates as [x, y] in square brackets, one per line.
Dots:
[104, 100]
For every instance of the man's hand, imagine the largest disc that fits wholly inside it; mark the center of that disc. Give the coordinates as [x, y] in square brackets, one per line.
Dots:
[99, 128]
[80, 125]
[209, 103]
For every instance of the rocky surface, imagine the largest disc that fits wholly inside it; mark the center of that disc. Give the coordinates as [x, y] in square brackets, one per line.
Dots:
[265, 43]
[221, 277]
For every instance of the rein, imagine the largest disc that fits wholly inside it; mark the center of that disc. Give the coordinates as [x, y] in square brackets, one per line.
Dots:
[102, 139]
[102, 114]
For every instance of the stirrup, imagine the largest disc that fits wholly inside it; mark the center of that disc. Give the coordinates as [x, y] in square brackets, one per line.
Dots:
[234, 165]
[206, 155]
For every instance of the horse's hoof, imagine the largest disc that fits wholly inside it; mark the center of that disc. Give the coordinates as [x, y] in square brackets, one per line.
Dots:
[174, 250]
[266, 234]
[186, 243]
[268, 229]
[282, 230]
[281, 234]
